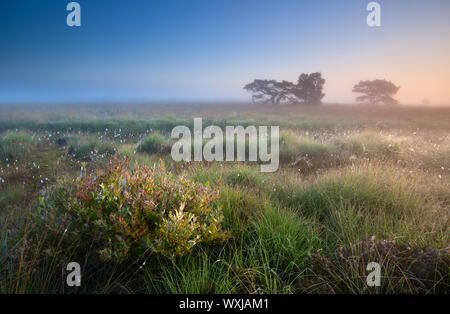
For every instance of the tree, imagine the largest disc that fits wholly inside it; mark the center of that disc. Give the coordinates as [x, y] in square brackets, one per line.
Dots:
[269, 91]
[308, 90]
[376, 92]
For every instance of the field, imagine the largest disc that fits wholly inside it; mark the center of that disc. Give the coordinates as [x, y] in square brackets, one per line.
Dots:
[355, 185]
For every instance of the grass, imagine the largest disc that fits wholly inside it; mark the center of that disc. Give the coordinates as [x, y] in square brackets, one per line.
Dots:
[286, 238]
[200, 274]
[155, 143]
[358, 202]
[16, 145]
[238, 208]
[12, 195]
[87, 149]
[293, 146]
[370, 144]
[354, 185]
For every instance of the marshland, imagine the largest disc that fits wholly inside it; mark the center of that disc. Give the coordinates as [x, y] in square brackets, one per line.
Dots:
[96, 185]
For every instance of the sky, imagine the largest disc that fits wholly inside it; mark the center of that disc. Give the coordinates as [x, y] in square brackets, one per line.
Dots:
[207, 50]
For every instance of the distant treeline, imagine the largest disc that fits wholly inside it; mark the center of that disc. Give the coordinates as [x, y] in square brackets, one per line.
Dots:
[309, 91]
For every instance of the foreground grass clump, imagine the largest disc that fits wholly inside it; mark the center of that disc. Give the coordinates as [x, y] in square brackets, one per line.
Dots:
[405, 269]
[88, 149]
[358, 202]
[367, 189]
[16, 145]
[285, 238]
[267, 255]
[197, 273]
[123, 214]
[155, 143]
[11, 194]
[238, 208]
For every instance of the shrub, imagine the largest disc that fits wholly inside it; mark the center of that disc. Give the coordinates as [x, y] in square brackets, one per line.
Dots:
[125, 213]
[155, 143]
[89, 149]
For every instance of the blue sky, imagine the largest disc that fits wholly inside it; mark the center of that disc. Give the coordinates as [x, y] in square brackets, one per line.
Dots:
[209, 49]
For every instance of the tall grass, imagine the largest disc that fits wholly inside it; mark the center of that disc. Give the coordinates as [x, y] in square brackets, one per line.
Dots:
[293, 146]
[354, 186]
[89, 148]
[16, 145]
[370, 144]
[155, 143]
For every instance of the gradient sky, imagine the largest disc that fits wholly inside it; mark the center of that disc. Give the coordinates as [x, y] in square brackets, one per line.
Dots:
[209, 49]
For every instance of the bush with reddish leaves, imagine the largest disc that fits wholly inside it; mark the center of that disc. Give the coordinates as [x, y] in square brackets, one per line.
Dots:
[123, 213]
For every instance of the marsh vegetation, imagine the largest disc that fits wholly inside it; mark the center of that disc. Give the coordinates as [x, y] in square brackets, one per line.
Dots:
[97, 185]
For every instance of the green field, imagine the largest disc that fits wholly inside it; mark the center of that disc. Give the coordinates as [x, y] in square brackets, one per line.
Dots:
[355, 185]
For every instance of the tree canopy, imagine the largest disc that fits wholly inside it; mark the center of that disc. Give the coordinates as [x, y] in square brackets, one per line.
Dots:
[308, 90]
[376, 92]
